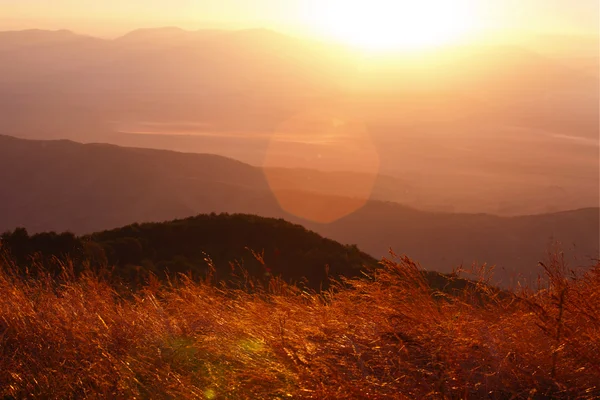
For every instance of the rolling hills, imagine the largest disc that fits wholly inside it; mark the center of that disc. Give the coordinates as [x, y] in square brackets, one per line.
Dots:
[66, 186]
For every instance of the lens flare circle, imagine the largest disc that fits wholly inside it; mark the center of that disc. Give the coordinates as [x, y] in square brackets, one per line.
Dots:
[321, 164]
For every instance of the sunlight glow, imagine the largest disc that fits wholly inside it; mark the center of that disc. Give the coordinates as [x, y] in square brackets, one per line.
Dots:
[384, 25]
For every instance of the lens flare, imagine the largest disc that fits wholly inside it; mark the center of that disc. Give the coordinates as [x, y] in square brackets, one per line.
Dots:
[322, 164]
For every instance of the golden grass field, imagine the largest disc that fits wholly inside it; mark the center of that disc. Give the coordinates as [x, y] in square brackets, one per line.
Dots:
[387, 337]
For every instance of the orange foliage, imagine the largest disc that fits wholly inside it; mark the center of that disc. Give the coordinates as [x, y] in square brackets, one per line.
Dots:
[387, 337]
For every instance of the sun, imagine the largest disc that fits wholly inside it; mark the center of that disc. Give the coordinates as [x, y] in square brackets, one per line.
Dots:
[384, 25]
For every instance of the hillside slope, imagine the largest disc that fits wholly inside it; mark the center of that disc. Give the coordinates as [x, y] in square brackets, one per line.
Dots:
[372, 339]
[235, 245]
[60, 186]
[440, 241]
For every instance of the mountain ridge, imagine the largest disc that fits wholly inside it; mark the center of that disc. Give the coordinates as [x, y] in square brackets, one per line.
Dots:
[89, 188]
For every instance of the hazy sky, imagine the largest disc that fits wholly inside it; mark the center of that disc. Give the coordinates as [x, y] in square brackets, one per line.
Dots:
[116, 16]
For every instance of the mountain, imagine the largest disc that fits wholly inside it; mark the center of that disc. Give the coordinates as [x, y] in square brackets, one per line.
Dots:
[165, 35]
[150, 75]
[36, 58]
[114, 186]
[35, 39]
[170, 75]
[66, 186]
[514, 245]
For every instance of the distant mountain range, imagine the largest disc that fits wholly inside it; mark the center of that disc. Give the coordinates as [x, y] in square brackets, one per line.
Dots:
[500, 129]
[62, 185]
[261, 77]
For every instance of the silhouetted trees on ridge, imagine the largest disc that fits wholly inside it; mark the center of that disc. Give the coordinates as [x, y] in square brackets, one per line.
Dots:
[231, 244]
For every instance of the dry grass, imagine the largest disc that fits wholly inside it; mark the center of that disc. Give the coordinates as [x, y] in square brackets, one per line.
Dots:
[385, 338]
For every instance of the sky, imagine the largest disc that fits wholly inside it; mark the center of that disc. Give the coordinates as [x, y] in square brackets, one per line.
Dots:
[114, 17]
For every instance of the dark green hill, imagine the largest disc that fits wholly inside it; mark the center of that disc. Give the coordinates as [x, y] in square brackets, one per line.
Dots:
[238, 244]
[288, 250]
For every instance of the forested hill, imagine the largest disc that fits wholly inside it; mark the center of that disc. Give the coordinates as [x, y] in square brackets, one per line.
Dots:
[233, 243]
